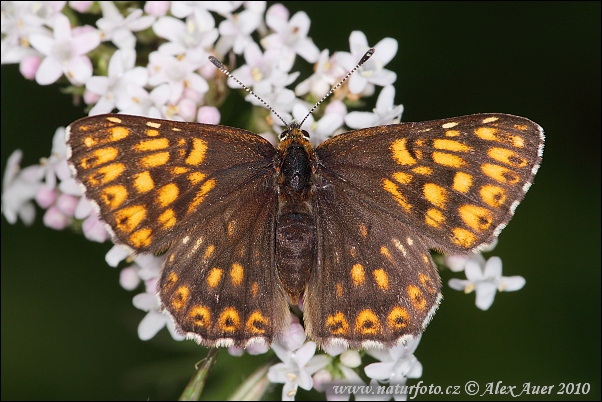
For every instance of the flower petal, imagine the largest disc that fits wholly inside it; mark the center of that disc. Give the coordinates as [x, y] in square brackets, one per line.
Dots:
[304, 354]
[386, 49]
[383, 77]
[150, 325]
[49, 72]
[317, 363]
[473, 271]
[277, 373]
[85, 43]
[485, 294]
[282, 352]
[458, 284]
[380, 371]
[116, 254]
[511, 283]
[493, 268]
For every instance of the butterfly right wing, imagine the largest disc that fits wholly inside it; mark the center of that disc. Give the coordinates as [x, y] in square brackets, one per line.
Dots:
[374, 283]
[456, 181]
[386, 194]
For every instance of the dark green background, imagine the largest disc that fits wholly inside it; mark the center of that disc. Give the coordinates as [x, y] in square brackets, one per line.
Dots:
[69, 329]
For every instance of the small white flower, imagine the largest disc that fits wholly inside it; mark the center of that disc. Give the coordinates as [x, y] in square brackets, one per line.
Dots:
[140, 102]
[261, 67]
[190, 38]
[236, 31]
[294, 336]
[65, 53]
[327, 73]
[151, 324]
[280, 99]
[396, 364]
[208, 115]
[147, 268]
[486, 280]
[118, 29]
[290, 36]
[178, 72]
[56, 164]
[385, 112]
[19, 21]
[19, 188]
[116, 254]
[128, 278]
[112, 88]
[55, 219]
[372, 72]
[94, 229]
[296, 368]
[351, 358]
[153, 321]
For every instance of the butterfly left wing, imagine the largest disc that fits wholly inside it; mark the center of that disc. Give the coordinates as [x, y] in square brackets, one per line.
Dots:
[219, 281]
[206, 195]
[151, 179]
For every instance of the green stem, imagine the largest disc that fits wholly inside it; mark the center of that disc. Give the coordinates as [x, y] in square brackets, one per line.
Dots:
[253, 388]
[193, 390]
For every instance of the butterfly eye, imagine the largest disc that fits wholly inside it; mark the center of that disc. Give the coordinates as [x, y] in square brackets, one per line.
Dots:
[305, 135]
[282, 136]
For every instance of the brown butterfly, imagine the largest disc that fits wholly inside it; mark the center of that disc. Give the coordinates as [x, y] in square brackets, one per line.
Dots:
[345, 228]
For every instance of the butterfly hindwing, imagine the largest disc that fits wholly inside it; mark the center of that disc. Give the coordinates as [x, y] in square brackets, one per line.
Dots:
[220, 282]
[374, 283]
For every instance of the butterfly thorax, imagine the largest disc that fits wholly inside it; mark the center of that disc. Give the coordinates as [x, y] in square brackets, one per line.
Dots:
[295, 222]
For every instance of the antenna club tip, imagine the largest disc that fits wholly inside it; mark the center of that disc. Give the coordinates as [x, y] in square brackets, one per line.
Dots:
[367, 55]
[216, 62]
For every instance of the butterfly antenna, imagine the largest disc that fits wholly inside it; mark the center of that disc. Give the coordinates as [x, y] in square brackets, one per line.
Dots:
[223, 69]
[365, 58]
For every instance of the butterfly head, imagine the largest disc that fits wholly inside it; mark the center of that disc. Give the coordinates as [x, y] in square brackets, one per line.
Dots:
[293, 133]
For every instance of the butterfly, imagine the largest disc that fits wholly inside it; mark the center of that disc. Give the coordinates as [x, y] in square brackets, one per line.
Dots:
[343, 230]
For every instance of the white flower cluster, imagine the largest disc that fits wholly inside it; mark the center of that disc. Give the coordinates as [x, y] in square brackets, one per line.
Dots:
[112, 68]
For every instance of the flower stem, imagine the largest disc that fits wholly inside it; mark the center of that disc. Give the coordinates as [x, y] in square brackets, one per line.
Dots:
[253, 388]
[193, 390]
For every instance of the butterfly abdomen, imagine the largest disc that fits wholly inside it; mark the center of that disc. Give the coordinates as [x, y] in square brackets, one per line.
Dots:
[295, 251]
[295, 222]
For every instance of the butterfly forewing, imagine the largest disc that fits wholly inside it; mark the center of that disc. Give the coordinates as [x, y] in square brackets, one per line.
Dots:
[454, 181]
[154, 179]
